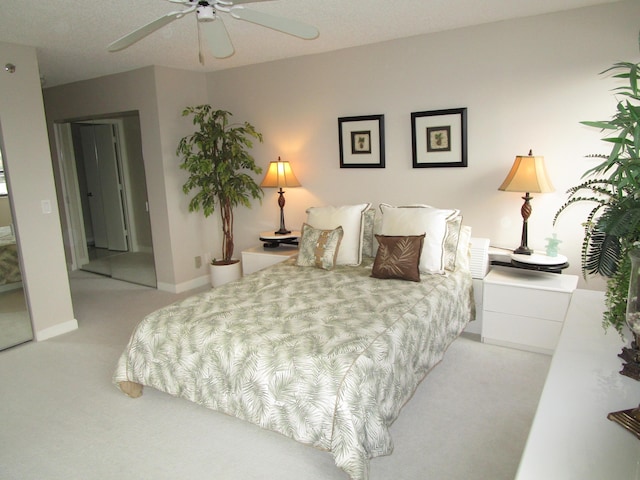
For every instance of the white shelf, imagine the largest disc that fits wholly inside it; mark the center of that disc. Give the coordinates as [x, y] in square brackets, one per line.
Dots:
[571, 437]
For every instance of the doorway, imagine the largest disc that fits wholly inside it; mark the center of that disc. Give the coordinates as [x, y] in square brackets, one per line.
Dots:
[107, 209]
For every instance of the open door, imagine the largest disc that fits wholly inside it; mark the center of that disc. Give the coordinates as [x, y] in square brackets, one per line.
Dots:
[104, 186]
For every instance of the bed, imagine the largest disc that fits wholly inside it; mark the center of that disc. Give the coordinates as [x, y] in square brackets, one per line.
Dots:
[326, 356]
[9, 262]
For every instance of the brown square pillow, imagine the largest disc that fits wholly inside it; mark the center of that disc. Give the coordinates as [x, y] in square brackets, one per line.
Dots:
[398, 257]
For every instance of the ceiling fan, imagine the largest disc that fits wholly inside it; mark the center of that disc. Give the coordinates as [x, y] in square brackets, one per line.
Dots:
[210, 24]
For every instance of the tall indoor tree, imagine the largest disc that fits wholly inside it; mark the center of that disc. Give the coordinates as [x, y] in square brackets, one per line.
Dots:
[219, 164]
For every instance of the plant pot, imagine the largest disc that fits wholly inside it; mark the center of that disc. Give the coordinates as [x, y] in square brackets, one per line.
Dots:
[225, 273]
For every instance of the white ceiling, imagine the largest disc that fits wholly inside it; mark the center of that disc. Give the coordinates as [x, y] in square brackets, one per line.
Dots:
[71, 36]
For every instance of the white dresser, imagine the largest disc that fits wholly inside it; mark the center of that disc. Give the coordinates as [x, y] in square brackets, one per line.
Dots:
[571, 437]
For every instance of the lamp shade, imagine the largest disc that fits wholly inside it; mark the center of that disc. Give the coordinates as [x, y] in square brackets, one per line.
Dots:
[528, 174]
[280, 174]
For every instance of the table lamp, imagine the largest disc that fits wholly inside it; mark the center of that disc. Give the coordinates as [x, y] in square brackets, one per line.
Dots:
[279, 174]
[528, 174]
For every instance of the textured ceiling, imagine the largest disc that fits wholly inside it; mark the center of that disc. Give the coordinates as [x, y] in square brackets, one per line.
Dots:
[71, 36]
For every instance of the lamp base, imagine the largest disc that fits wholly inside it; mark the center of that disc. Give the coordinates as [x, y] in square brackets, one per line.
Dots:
[282, 231]
[525, 211]
[629, 419]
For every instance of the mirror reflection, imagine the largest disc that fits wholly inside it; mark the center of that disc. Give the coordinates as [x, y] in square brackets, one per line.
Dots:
[15, 323]
[106, 188]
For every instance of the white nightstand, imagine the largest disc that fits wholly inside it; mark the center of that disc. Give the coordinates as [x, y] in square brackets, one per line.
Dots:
[257, 258]
[525, 309]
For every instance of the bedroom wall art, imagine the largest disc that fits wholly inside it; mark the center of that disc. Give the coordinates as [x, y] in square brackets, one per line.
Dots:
[439, 138]
[361, 141]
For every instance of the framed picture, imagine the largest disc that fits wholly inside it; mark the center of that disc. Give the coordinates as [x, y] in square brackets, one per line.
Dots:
[361, 141]
[439, 138]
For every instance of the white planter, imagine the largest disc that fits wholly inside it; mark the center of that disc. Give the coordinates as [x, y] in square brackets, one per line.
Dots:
[221, 274]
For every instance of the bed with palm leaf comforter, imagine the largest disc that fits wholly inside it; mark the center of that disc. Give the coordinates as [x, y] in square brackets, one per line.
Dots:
[325, 357]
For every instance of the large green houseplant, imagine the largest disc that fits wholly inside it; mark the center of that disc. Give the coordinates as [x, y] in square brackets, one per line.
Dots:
[612, 227]
[219, 165]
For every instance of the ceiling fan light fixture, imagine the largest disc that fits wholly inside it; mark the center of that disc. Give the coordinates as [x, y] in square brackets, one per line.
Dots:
[212, 26]
[206, 13]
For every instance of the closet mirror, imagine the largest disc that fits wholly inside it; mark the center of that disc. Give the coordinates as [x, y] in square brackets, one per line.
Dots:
[15, 322]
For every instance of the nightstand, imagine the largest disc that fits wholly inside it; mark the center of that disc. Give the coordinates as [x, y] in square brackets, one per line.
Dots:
[257, 258]
[525, 309]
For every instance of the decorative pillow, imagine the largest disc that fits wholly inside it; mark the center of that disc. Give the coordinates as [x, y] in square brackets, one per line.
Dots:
[416, 220]
[451, 240]
[368, 240]
[318, 248]
[350, 218]
[463, 258]
[398, 257]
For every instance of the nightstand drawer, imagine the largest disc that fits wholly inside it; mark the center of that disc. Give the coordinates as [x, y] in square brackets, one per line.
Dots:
[533, 334]
[526, 302]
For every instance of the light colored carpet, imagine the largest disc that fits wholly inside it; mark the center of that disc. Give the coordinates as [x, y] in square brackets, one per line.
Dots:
[63, 419]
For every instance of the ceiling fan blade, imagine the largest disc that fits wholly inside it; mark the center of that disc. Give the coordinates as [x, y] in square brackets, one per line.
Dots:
[281, 24]
[145, 30]
[218, 38]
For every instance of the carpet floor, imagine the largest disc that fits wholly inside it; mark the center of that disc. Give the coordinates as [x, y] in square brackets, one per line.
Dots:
[62, 418]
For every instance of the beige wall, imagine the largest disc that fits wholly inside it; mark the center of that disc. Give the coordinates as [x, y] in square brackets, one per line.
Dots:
[28, 162]
[188, 234]
[158, 94]
[527, 83]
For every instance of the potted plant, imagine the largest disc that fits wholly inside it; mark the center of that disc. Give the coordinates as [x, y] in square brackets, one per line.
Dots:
[612, 227]
[219, 165]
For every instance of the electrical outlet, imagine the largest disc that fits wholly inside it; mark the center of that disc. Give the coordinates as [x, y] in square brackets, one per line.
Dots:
[198, 260]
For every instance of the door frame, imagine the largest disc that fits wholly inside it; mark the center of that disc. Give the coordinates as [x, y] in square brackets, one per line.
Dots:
[77, 240]
[105, 183]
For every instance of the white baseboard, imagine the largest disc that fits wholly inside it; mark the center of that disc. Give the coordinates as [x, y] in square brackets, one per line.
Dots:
[185, 286]
[56, 330]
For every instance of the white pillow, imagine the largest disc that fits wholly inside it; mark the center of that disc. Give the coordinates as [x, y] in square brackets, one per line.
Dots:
[350, 218]
[416, 220]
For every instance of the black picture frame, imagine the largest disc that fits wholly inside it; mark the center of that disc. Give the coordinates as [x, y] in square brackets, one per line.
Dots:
[439, 138]
[361, 141]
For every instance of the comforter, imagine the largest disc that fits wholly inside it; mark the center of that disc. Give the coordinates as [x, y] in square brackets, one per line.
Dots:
[325, 357]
